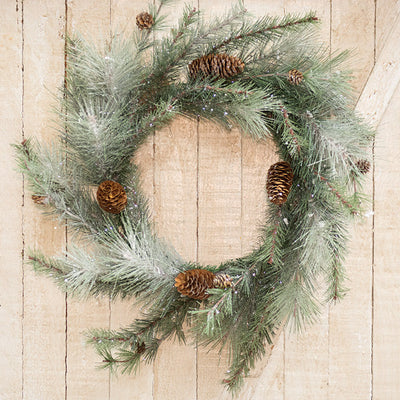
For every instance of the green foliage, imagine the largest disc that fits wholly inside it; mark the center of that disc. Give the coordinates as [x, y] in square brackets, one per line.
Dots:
[116, 96]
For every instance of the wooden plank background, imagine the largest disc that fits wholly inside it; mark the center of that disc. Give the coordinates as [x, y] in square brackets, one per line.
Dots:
[206, 189]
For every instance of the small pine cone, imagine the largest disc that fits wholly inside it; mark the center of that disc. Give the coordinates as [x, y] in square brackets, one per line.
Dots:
[111, 197]
[279, 182]
[363, 166]
[194, 283]
[222, 281]
[144, 20]
[41, 200]
[295, 77]
[140, 347]
[216, 65]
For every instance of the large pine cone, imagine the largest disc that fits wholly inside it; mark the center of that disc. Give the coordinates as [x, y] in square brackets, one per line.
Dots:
[194, 283]
[279, 182]
[216, 65]
[144, 20]
[111, 197]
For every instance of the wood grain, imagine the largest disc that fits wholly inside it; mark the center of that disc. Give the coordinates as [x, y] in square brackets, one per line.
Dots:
[350, 320]
[44, 305]
[175, 213]
[352, 27]
[385, 364]
[11, 232]
[386, 323]
[375, 98]
[386, 13]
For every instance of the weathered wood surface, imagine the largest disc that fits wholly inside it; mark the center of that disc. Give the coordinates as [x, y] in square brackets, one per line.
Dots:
[205, 187]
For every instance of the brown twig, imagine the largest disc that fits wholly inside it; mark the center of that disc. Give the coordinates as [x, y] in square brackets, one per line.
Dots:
[336, 289]
[117, 339]
[263, 76]
[46, 265]
[225, 90]
[336, 193]
[113, 360]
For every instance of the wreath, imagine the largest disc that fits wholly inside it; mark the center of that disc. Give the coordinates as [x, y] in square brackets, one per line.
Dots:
[266, 76]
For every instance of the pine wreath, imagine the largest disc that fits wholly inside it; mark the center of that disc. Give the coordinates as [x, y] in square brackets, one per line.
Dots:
[115, 97]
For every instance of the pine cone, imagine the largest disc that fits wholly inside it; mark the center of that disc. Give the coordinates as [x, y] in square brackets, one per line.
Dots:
[140, 347]
[41, 200]
[194, 283]
[295, 77]
[111, 197]
[279, 182]
[222, 281]
[216, 65]
[144, 20]
[363, 166]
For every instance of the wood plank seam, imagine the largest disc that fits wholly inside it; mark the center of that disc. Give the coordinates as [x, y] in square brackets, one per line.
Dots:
[368, 98]
[23, 198]
[371, 384]
[66, 232]
[196, 354]
[376, 120]
[387, 40]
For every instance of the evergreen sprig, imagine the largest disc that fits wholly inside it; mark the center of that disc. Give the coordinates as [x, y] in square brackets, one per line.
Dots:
[116, 96]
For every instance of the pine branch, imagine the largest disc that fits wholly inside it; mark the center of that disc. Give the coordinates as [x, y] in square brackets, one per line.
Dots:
[128, 361]
[120, 349]
[169, 56]
[63, 275]
[49, 268]
[251, 347]
[224, 90]
[271, 251]
[26, 156]
[217, 27]
[187, 20]
[290, 129]
[241, 367]
[255, 33]
[109, 338]
[339, 196]
[140, 331]
[274, 237]
[208, 319]
[336, 290]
